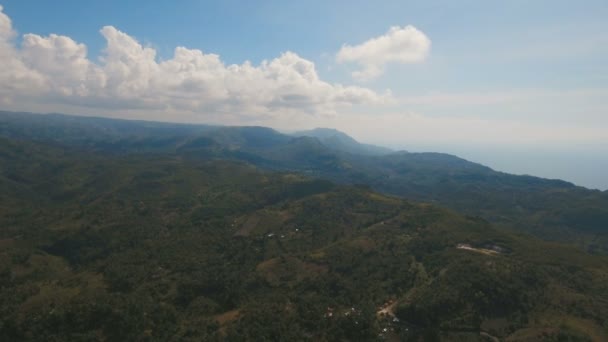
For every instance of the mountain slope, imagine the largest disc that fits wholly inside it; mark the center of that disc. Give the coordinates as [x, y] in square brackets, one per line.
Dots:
[99, 246]
[550, 209]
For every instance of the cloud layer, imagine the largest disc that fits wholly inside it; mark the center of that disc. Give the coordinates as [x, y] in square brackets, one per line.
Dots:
[399, 45]
[129, 76]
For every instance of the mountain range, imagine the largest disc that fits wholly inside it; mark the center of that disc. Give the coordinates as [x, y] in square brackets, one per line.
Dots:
[550, 209]
[131, 230]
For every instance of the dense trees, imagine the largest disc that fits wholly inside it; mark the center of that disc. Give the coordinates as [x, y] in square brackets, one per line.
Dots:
[549, 209]
[145, 246]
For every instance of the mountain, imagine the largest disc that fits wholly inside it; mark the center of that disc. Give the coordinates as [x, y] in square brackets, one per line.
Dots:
[157, 246]
[550, 209]
[340, 141]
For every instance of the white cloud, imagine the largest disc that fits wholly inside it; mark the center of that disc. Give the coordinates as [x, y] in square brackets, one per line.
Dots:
[63, 65]
[56, 70]
[14, 75]
[6, 30]
[399, 45]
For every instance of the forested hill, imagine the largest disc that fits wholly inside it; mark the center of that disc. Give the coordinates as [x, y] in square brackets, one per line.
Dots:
[99, 246]
[549, 209]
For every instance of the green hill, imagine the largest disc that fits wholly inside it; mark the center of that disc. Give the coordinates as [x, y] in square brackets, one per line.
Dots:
[550, 209]
[159, 246]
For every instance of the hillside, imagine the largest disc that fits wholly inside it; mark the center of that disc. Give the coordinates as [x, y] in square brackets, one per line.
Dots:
[549, 209]
[99, 246]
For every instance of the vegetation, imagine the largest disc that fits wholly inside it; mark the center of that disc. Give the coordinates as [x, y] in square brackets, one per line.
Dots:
[549, 209]
[102, 243]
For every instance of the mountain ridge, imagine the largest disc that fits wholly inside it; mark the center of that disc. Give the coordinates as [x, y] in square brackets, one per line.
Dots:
[340, 141]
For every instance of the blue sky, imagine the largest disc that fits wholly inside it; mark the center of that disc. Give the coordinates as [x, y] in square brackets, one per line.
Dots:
[509, 34]
[450, 74]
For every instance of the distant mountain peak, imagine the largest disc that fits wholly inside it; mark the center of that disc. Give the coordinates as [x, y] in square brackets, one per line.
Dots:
[340, 141]
[326, 131]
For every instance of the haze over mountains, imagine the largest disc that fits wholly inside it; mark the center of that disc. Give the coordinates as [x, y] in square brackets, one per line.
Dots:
[583, 165]
[405, 78]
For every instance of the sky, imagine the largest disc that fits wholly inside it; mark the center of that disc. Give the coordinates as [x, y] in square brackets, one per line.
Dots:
[521, 86]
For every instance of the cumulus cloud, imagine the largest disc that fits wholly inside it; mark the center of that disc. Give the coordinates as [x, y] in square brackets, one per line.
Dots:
[14, 75]
[56, 69]
[399, 45]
